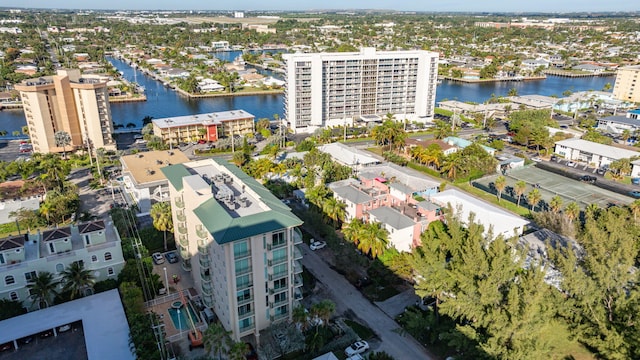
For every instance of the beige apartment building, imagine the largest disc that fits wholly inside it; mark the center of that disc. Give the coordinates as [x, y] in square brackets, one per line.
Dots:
[70, 103]
[208, 127]
[240, 242]
[627, 87]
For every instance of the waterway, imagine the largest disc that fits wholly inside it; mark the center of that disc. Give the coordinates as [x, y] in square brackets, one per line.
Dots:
[163, 102]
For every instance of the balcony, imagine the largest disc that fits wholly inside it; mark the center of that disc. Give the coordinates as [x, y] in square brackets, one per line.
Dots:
[297, 294]
[202, 249]
[244, 314]
[297, 280]
[205, 275]
[277, 275]
[206, 289]
[184, 240]
[184, 254]
[297, 254]
[297, 236]
[246, 327]
[178, 202]
[243, 271]
[204, 261]
[277, 261]
[181, 217]
[182, 230]
[202, 233]
[242, 286]
[241, 255]
[242, 301]
[297, 267]
[276, 317]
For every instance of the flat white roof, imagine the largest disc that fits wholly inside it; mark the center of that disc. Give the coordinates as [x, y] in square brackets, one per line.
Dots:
[201, 119]
[486, 214]
[611, 152]
[106, 331]
[347, 155]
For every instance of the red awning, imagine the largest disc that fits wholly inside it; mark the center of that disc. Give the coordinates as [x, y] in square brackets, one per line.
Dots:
[381, 179]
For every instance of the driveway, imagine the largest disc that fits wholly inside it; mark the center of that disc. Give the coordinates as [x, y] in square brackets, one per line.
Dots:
[346, 296]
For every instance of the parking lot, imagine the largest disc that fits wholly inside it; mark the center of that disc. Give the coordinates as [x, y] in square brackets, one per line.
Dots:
[67, 345]
[551, 184]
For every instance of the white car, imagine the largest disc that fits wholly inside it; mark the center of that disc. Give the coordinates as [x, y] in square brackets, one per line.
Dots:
[357, 347]
[157, 258]
[571, 164]
[536, 159]
[317, 245]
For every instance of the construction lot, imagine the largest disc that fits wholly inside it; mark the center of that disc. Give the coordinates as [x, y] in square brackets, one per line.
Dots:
[550, 185]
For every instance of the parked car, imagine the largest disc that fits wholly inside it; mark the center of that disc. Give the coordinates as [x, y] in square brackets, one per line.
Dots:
[46, 334]
[635, 194]
[171, 257]
[357, 347]
[202, 141]
[64, 328]
[157, 258]
[536, 159]
[571, 164]
[317, 245]
[588, 178]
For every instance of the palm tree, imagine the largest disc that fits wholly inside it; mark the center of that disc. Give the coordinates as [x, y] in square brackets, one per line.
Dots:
[452, 165]
[76, 278]
[299, 316]
[162, 220]
[334, 209]
[323, 310]
[534, 198]
[42, 288]
[62, 139]
[572, 211]
[353, 231]
[374, 240]
[635, 209]
[216, 339]
[237, 351]
[592, 210]
[520, 187]
[500, 183]
[555, 204]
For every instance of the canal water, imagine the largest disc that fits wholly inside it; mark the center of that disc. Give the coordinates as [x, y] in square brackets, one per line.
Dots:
[163, 102]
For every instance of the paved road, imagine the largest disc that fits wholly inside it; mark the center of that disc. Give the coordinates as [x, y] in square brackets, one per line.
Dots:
[347, 296]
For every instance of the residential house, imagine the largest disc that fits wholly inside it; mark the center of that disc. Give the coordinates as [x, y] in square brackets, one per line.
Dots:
[592, 153]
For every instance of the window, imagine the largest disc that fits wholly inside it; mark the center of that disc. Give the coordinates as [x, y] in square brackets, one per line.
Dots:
[87, 239]
[30, 275]
[110, 272]
[240, 249]
[278, 239]
[52, 249]
[246, 324]
[278, 298]
[59, 268]
[243, 266]
[243, 295]
[9, 280]
[107, 256]
[14, 296]
[243, 281]
[280, 283]
[280, 270]
[94, 258]
[282, 310]
[244, 310]
[279, 255]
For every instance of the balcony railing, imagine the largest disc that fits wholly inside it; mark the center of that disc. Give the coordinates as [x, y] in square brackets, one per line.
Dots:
[297, 267]
[202, 233]
[181, 216]
[243, 271]
[203, 250]
[297, 236]
[277, 275]
[297, 294]
[245, 300]
[246, 327]
[204, 261]
[184, 240]
[276, 317]
[178, 202]
[244, 285]
[206, 290]
[297, 280]
[184, 254]
[297, 254]
[277, 261]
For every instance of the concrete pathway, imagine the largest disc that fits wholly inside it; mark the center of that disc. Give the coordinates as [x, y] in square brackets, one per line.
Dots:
[347, 296]
[395, 305]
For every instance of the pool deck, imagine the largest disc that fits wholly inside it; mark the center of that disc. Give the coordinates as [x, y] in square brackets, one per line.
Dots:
[161, 305]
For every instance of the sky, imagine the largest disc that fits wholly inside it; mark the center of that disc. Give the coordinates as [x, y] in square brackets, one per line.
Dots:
[403, 5]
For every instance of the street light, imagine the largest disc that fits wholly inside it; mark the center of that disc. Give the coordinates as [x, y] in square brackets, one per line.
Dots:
[166, 280]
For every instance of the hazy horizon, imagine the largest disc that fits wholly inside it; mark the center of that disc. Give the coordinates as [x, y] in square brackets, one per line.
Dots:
[496, 6]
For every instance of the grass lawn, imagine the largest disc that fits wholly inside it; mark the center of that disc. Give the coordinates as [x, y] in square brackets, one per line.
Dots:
[522, 211]
[363, 332]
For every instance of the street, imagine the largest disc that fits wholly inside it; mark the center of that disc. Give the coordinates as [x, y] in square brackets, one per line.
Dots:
[346, 296]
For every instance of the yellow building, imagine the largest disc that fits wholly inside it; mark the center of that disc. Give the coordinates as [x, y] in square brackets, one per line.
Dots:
[627, 86]
[208, 127]
[70, 103]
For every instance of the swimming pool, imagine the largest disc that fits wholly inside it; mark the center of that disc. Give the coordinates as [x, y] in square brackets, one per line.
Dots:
[180, 320]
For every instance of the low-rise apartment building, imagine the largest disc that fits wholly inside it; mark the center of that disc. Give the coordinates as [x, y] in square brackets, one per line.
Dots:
[592, 153]
[142, 178]
[617, 124]
[208, 127]
[95, 244]
[240, 242]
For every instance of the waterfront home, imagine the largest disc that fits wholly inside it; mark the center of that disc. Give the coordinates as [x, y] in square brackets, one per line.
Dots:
[209, 85]
[595, 69]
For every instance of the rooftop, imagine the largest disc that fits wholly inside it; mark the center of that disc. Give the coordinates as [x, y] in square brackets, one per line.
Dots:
[106, 331]
[598, 149]
[352, 194]
[13, 242]
[238, 207]
[202, 119]
[145, 167]
[347, 155]
[415, 180]
[392, 217]
[488, 215]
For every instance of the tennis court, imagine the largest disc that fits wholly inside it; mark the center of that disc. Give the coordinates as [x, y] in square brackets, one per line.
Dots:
[550, 185]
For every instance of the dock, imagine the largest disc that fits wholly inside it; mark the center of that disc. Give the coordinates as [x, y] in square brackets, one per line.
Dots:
[573, 74]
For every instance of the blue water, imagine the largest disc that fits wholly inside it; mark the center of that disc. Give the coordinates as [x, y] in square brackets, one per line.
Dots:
[183, 322]
[163, 102]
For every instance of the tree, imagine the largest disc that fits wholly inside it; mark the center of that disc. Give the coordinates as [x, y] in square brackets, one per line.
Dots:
[513, 92]
[500, 184]
[520, 187]
[147, 120]
[10, 308]
[635, 209]
[571, 211]
[162, 219]
[599, 281]
[323, 310]
[334, 209]
[75, 278]
[26, 217]
[62, 139]
[237, 351]
[353, 231]
[299, 317]
[534, 198]
[555, 204]
[216, 339]
[374, 239]
[42, 288]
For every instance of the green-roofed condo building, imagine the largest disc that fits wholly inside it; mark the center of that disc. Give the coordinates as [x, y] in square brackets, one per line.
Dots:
[240, 242]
